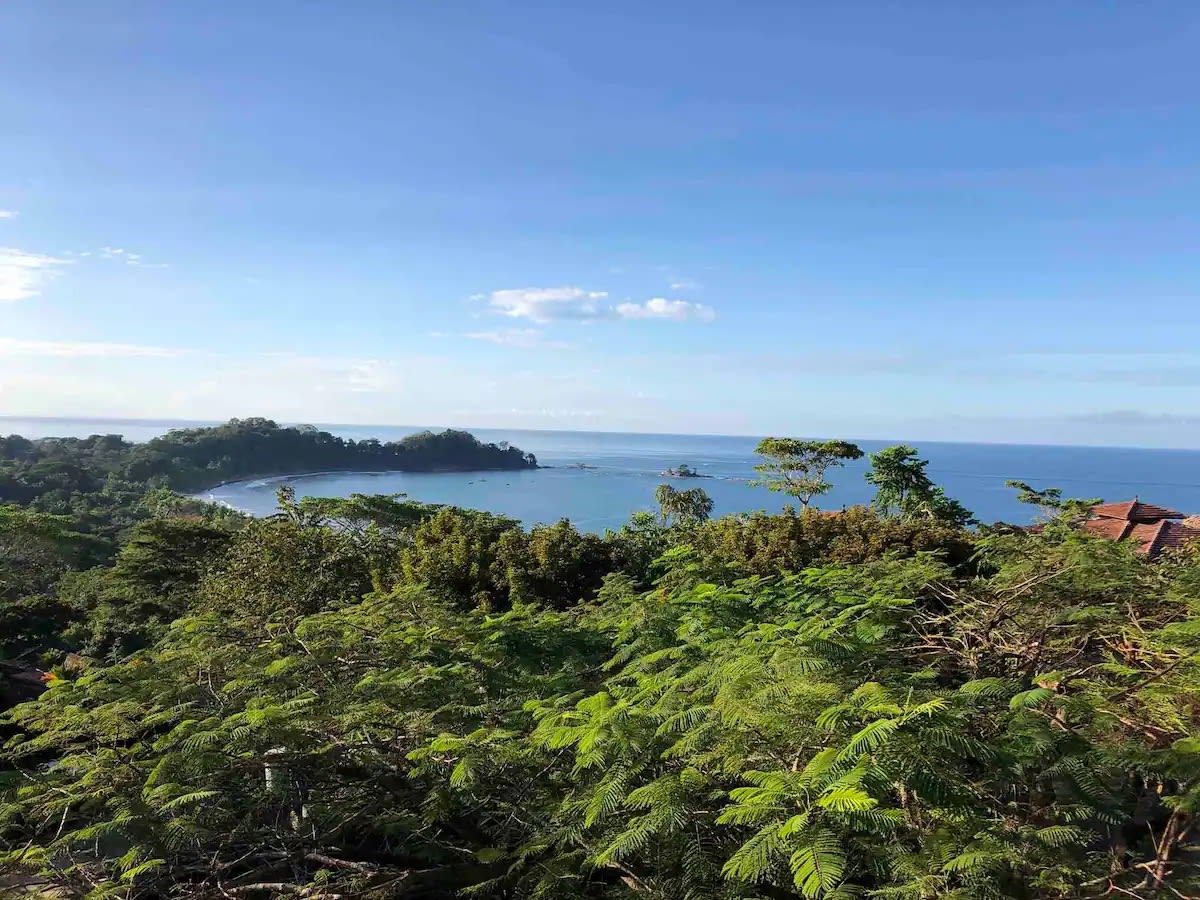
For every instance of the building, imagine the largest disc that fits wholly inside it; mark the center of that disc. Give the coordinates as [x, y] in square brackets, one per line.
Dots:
[1154, 528]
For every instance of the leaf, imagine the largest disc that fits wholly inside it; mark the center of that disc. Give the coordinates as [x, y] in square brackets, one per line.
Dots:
[971, 861]
[1032, 697]
[630, 841]
[847, 799]
[142, 869]
[752, 860]
[821, 762]
[608, 796]
[1060, 835]
[188, 799]
[795, 824]
[202, 740]
[870, 738]
[280, 666]
[817, 867]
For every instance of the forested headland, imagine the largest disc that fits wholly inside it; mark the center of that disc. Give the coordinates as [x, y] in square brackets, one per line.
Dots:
[371, 697]
[104, 483]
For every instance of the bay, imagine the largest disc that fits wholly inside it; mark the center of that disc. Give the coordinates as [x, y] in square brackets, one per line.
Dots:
[623, 470]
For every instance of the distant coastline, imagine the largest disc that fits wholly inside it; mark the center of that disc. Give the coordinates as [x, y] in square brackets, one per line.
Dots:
[900, 435]
[53, 470]
[284, 476]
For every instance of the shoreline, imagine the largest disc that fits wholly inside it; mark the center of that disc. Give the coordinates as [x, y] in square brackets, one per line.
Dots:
[275, 476]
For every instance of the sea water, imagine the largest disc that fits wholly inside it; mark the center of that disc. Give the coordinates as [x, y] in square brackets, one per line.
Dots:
[597, 479]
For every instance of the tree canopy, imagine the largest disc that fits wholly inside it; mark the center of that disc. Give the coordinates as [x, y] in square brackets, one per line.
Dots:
[368, 697]
[797, 467]
[902, 486]
[690, 507]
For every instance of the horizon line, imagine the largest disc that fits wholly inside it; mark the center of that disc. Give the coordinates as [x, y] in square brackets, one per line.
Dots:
[139, 420]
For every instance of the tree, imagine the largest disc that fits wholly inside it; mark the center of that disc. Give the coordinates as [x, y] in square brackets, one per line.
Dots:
[354, 711]
[797, 467]
[903, 488]
[1051, 503]
[390, 514]
[455, 554]
[637, 544]
[276, 568]
[169, 555]
[791, 541]
[36, 549]
[690, 507]
[853, 719]
[554, 565]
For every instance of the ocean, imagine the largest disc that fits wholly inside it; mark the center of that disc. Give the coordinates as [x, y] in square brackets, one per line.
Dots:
[623, 470]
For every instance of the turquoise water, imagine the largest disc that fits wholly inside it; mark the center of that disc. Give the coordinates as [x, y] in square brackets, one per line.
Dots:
[627, 466]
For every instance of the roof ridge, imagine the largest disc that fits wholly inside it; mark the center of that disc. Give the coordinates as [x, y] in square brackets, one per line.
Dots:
[1135, 510]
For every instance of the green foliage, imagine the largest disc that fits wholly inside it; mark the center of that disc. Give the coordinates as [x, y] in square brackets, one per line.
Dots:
[189, 459]
[797, 467]
[1050, 501]
[278, 568]
[374, 723]
[553, 565]
[637, 544]
[883, 727]
[166, 556]
[370, 697]
[690, 507]
[903, 488]
[36, 549]
[760, 544]
[106, 484]
[455, 553]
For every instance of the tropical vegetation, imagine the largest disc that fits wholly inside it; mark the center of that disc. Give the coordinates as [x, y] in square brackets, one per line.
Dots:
[371, 697]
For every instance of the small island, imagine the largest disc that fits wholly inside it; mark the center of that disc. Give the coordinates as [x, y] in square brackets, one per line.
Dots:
[683, 470]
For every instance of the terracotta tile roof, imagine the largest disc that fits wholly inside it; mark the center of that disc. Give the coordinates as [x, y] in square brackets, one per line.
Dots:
[1152, 537]
[1147, 536]
[1170, 536]
[1111, 529]
[1135, 511]
[1152, 527]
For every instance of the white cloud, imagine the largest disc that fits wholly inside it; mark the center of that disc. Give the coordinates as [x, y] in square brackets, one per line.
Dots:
[572, 303]
[686, 284]
[23, 274]
[15, 347]
[661, 308]
[120, 254]
[8, 213]
[516, 337]
[546, 304]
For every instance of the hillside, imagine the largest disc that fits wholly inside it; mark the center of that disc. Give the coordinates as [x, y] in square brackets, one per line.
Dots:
[367, 697]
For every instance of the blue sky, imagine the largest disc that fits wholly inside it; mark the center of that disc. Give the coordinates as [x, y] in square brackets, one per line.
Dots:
[959, 221]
